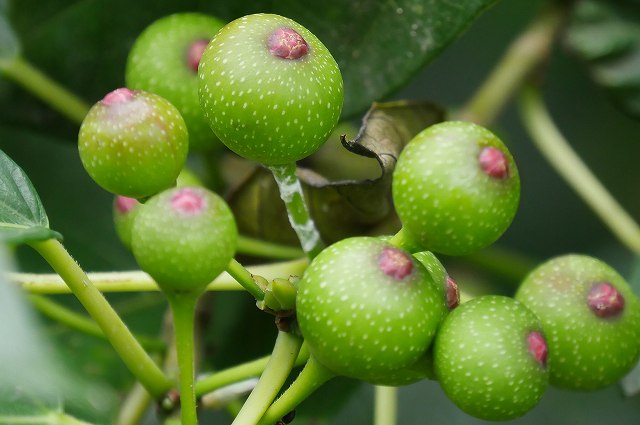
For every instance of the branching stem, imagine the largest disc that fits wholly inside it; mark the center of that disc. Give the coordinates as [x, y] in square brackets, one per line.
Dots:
[120, 337]
[272, 379]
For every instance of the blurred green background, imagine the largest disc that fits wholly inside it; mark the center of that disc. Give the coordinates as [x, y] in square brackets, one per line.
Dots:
[552, 219]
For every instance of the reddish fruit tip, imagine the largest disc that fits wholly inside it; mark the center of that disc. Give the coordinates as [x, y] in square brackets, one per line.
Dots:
[605, 300]
[194, 54]
[125, 204]
[286, 43]
[537, 346]
[494, 163]
[395, 263]
[118, 96]
[187, 201]
[453, 293]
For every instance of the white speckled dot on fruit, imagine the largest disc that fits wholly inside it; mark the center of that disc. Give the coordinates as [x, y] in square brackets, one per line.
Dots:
[135, 147]
[360, 322]
[263, 107]
[158, 63]
[482, 359]
[445, 200]
[588, 351]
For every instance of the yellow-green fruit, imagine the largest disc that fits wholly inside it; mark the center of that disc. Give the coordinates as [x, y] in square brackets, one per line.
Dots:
[270, 90]
[368, 309]
[456, 188]
[133, 143]
[164, 60]
[490, 357]
[124, 212]
[184, 238]
[591, 317]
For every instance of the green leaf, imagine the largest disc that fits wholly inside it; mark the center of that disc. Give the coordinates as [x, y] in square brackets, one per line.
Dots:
[606, 35]
[22, 216]
[380, 45]
[339, 208]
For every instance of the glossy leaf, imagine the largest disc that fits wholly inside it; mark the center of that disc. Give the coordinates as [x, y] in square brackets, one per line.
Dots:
[378, 45]
[606, 35]
[339, 208]
[22, 216]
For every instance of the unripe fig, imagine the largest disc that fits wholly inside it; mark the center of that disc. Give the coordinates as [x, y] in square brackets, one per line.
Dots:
[184, 237]
[133, 143]
[591, 317]
[270, 90]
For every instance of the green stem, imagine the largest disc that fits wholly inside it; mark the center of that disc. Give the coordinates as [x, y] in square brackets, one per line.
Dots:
[293, 198]
[183, 308]
[523, 56]
[313, 375]
[272, 379]
[241, 372]
[122, 340]
[52, 418]
[401, 240]
[259, 248]
[386, 405]
[78, 322]
[245, 278]
[568, 164]
[137, 281]
[134, 407]
[30, 78]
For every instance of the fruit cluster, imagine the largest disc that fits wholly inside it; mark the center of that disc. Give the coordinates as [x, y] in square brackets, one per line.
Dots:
[382, 310]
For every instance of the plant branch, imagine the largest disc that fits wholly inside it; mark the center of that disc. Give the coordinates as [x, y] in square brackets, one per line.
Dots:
[312, 377]
[260, 248]
[385, 406]
[59, 98]
[183, 308]
[79, 322]
[568, 164]
[120, 337]
[138, 281]
[293, 198]
[245, 278]
[272, 379]
[523, 56]
[241, 372]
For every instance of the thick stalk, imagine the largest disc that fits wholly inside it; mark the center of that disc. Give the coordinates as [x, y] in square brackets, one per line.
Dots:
[245, 278]
[272, 379]
[311, 378]
[183, 308]
[122, 340]
[385, 406]
[47, 90]
[568, 164]
[523, 56]
[293, 198]
[137, 281]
